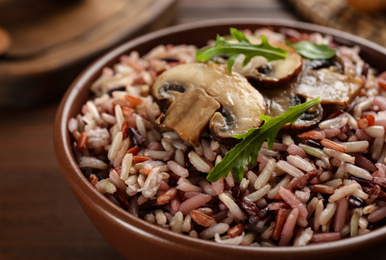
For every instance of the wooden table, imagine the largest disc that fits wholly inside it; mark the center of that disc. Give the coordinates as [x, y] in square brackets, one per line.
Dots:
[39, 216]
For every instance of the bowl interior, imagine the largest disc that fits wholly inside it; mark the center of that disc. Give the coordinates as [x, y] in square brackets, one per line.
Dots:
[198, 34]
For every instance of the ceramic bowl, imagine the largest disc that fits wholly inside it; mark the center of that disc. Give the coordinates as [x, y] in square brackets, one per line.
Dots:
[134, 238]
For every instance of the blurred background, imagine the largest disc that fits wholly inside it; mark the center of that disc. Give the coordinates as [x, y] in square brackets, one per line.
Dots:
[44, 45]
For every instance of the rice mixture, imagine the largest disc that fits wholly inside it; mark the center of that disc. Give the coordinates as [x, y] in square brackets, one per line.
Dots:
[324, 179]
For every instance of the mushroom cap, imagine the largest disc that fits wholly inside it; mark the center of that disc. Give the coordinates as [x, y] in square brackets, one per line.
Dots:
[238, 109]
[261, 73]
[333, 88]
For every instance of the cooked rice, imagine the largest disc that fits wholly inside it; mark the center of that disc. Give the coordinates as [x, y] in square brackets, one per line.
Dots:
[318, 185]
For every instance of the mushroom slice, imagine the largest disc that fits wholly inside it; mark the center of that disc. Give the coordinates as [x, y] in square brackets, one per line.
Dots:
[331, 87]
[196, 95]
[261, 73]
[278, 101]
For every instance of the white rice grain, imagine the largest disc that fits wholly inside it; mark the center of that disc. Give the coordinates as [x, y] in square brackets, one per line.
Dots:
[377, 147]
[187, 224]
[116, 180]
[304, 238]
[179, 157]
[358, 146]
[126, 164]
[343, 192]
[210, 232]
[116, 144]
[106, 186]
[351, 121]
[184, 185]
[327, 213]
[92, 162]
[339, 155]
[290, 169]
[119, 116]
[229, 241]
[300, 163]
[312, 150]
[275, 190]
[178, 169]
[359, 172]
[199, 163]
[232, 206]
[254, 196]
[176, 222]
[375, 131]
[160, 217]
[265, 175]
[336, 122]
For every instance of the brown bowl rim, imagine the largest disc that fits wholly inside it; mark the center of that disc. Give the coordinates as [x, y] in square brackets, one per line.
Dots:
[79, 183]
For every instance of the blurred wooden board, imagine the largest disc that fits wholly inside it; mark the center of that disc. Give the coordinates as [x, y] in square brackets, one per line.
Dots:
[339, 15]
[51, 41]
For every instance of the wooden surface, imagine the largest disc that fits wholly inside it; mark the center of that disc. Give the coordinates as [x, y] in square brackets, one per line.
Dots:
[53, 39]
[339, 14]
[39, 216]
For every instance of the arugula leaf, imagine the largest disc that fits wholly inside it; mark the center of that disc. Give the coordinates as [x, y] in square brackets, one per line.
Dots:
[312, 50]
[247, 150]
[242, 47]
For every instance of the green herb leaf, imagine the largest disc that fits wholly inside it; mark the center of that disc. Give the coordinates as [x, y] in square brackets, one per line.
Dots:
[242, 47]
[247, 150]
[312, 50]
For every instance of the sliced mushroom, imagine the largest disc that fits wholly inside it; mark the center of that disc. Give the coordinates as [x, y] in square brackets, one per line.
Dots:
[279, 101]
[334, 64]
[333, 88]
[263, 74]
[196, 95]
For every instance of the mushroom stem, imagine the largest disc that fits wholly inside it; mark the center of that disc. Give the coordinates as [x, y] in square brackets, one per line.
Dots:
[195, 108]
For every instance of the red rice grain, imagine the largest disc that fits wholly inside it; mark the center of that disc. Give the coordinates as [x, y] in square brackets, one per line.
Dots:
[288, 228]
[325, 237]
[194, 202]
